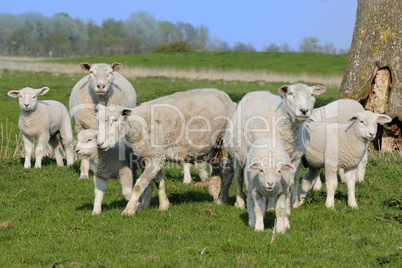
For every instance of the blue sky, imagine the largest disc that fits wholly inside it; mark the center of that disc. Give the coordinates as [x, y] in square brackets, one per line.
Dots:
[259, 22]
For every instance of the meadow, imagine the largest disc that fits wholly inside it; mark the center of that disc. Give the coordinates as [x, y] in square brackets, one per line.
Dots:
[45, 215]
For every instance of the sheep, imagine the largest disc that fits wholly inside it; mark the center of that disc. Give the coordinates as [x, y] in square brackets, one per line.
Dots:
[263, 114]
[103, 85]
[337, 146]
[183, 127]
[201, 170]
[267, 174]
[117, 163]
[42, 121]
[339, 111]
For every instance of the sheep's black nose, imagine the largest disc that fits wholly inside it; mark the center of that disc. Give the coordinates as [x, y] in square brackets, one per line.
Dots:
[303, 111]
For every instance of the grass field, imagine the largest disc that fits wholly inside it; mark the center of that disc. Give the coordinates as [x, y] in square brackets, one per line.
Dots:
[45, 215]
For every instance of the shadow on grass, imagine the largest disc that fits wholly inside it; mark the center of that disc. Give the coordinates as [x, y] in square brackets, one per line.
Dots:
[269, 219]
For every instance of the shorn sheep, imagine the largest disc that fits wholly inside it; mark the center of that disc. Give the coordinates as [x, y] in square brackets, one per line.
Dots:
[263, 114]
[102, 85]
[268, 174]
[335, 146]
[183, 127]
[43, 121]
[119, 162]
[339, 111]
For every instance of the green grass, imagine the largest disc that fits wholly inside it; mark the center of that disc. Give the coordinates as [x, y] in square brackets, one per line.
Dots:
[272, 62]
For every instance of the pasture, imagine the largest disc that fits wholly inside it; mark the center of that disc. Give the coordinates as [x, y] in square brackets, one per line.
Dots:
[45, 215]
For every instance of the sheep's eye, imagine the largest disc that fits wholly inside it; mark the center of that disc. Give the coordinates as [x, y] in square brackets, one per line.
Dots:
[34, 97]
[362, 122]
[89, 140]
[290, 94]
[261, 170]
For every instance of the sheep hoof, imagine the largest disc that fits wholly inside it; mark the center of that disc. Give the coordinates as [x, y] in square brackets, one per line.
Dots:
[95, 212]
[127, 213]
[84, 176]
[240, 205]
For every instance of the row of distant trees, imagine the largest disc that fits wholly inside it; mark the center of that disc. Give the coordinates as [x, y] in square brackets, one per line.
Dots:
[33, 34]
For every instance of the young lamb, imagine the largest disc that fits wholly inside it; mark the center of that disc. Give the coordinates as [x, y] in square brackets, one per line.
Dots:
[263, 114]
[339, 111]
[183, 127]
[268, 174]
[335, 146]
[118, 162]
[102, 85]
[42, 121]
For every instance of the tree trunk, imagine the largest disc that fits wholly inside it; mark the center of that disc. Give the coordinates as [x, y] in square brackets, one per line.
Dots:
[373, 74]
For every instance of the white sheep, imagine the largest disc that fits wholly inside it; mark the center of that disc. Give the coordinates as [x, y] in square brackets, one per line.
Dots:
[339, 111]
[42, 121]
[263, 114]
[102, 85]
[118, 163]
[183, 127]
[268, 174]
[335, 146]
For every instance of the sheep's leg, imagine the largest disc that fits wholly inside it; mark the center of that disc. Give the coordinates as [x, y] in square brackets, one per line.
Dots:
[55, 143]
[331, 183]
[153, 166]
[226, 172]
[350, 175]
[145, 199]
[126, 181]
[317, 184]
[160, 185]
[215, 184]
[42, 143]
[239, 180]
[187, 173]
[292, 200]
[84, 167]
[342, 175]
[361, 168]
[202, 171]
[307, 181]
[28, 148]
[66, 137]
[282, 222]
[250, 209]
[100, 188]
[259, 210]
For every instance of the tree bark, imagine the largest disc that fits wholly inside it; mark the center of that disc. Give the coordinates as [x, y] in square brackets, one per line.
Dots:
[373, 74]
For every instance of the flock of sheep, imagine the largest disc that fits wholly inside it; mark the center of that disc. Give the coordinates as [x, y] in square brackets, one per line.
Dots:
[263, 140]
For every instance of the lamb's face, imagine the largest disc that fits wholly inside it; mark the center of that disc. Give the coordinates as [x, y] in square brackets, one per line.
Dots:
[101, 76]
[366, 124]
[268, 174]
[28, 97]
[299, 100]
[86, 144]
[112, 126]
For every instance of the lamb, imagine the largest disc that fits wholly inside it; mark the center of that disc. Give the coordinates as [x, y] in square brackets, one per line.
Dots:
[339, 111]
[339, 146]
[267, 175]
[263, 114]
[117, 163]
[42, 121]
[183, 127]
[103, 85]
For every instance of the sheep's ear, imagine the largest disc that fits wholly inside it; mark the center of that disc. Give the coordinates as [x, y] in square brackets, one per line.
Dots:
[116, 66]
[318, 90]
[85, 66]
[383, 118]
[13, 93]
[254, 166]
[126, 112]
[288, 167]
[42, 91]
[283, 90]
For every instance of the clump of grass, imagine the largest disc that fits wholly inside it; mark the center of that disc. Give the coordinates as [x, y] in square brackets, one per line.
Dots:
[11, 147]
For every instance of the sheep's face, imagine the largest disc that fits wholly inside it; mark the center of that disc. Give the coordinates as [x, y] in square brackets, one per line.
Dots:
[101, 76]
[112, 126]
[28, 97]
[366, 123]
[299, 100]
[267, 175]
[86, 144]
